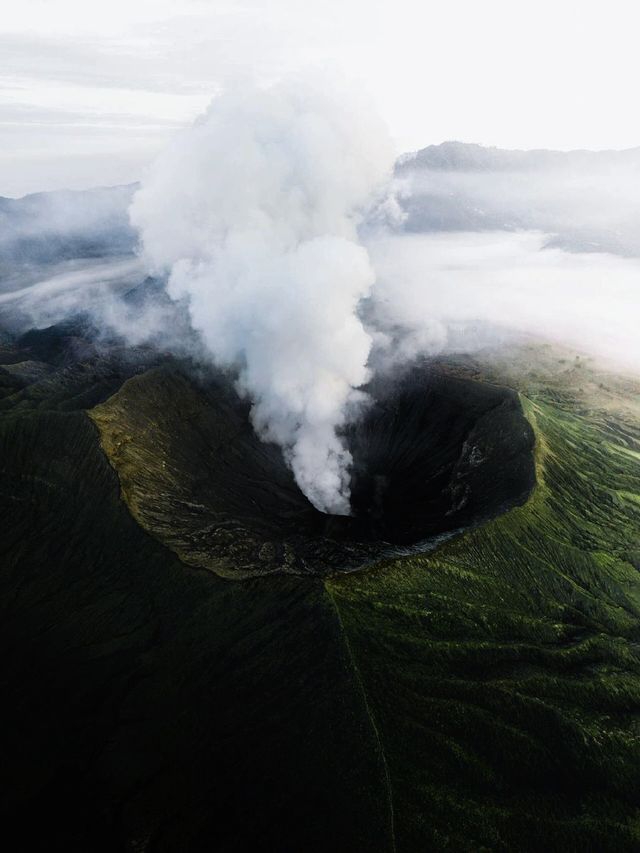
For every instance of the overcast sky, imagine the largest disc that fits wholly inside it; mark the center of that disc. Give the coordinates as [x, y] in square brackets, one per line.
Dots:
[90, 90]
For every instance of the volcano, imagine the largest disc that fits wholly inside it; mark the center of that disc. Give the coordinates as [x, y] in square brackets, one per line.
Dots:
[214, 672]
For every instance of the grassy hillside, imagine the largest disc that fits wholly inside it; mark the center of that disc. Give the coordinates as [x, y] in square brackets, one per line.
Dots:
[503, 671]
[485, 696]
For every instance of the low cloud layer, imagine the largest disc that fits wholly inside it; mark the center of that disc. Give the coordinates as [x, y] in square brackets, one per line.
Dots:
[442, 292]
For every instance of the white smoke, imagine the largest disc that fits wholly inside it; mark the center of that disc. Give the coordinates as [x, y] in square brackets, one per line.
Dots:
[253, 213]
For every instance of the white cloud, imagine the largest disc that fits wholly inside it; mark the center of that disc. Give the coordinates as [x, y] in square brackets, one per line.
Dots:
[431, 285]
[515, 75]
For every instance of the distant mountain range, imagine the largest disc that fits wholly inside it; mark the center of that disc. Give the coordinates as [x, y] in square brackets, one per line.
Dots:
[470, 157]
[584, 200]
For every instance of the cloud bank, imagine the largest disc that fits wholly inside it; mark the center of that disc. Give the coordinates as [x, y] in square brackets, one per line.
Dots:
[459, 291]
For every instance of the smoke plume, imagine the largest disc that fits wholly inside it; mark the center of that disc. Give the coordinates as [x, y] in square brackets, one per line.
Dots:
[253, 213]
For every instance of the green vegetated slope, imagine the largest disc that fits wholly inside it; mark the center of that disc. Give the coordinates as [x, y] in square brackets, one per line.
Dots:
[483, 697]
[503, 671]
[147, 706]
[150, 707]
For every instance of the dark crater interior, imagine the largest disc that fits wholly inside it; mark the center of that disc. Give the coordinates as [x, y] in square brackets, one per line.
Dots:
[433, 454]
[436, 453]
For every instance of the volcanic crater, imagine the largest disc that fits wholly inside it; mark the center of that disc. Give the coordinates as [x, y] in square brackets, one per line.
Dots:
[433, 454]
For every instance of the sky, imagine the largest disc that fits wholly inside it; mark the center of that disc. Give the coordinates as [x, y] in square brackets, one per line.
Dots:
[91, 91]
